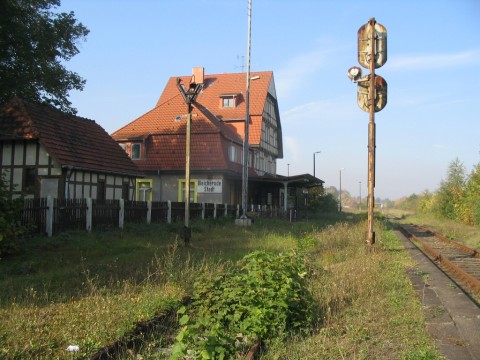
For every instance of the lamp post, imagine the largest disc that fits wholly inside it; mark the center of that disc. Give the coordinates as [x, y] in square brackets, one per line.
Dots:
[288, 170]
[247, 120]
[316, 152]
[189, 95]
[340, 191]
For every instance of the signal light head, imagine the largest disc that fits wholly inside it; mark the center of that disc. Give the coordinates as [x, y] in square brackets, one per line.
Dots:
[354, 73]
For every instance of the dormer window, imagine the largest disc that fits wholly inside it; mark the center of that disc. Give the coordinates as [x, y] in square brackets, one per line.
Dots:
[136, 151]
[228, 100]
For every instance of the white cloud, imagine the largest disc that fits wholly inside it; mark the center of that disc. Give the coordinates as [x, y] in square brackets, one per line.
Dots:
[329, 110]
[434, 61]
[294, 73]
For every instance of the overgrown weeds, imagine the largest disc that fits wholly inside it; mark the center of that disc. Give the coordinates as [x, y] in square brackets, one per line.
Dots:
[90, 289]
[368, 306]
[263, 297]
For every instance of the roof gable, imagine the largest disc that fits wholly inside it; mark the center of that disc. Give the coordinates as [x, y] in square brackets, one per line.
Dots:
[169, 114]
[69, 139]
[218, 85]
[214, 128]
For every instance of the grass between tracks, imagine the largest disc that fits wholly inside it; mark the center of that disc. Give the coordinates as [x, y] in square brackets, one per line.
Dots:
[90, 289]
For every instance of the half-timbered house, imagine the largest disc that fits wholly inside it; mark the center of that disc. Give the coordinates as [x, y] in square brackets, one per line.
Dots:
[45, 152]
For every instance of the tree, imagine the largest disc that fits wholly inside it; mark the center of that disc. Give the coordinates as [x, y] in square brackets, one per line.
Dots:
[451, 191]
[409, 203]
[34, 43]
[320, 200]
[470, 209]
[426, 202]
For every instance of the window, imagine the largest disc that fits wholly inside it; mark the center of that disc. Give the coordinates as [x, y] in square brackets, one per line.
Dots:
[136, 151]
[29, 180]
[101, 190]
[125, 191]
[232, 153]
[193, 190]
[228, 102]
[144, 189]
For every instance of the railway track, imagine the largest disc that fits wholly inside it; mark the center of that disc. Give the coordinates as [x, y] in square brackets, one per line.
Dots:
[460, 262]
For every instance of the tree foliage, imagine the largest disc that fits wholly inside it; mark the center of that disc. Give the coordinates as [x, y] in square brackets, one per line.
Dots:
[320, 200]
[35, 41]
[450, 193]
[408, 203]
[457, 198]
[470, 206]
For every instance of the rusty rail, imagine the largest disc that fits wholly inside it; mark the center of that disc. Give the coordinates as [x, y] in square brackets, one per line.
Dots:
[457, 272]
[463, 247]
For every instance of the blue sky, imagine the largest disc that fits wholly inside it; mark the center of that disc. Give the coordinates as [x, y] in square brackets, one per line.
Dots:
[433, 76]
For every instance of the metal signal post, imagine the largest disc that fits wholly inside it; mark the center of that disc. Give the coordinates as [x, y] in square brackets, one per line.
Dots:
[189, 95]
[371, 141]
[372, 97]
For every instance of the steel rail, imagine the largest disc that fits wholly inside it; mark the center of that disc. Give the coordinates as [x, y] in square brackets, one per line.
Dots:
[470, 251]
[453, 269]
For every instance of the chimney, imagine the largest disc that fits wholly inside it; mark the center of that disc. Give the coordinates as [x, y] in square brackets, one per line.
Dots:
[198, 74]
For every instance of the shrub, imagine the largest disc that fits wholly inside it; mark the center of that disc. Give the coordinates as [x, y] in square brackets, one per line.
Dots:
[10, 227]
[263, 297]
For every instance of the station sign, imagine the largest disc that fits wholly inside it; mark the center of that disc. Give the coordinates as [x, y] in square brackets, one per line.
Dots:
[210, 186]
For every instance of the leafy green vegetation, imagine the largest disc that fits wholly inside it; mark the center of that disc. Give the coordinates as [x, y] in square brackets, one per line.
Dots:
[37, 40]
[458, 197]
[367, 303]
[89, 290]
[263, 297]
[11, 231]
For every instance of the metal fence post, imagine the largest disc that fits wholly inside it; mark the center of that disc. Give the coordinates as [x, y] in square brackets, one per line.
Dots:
[89, 214]
[149, 212]
[121, 213]
[226, 209]
[49, 224]
[215, 210]
[203, 211]
[169, 212]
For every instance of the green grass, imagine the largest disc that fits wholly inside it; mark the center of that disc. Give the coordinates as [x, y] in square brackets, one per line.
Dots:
[368, 304]
[90, 289]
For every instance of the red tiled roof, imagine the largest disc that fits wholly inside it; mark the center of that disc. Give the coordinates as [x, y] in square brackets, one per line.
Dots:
[70, 140]
[233, 83]
[208, 152]
[213, 127]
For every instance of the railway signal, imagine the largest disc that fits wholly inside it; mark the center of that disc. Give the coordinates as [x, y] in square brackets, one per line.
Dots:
[371, 97]
[367, 46]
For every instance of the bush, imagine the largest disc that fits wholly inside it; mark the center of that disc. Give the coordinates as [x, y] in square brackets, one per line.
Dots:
[10, 227]
[264, 297]
[321, 201]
